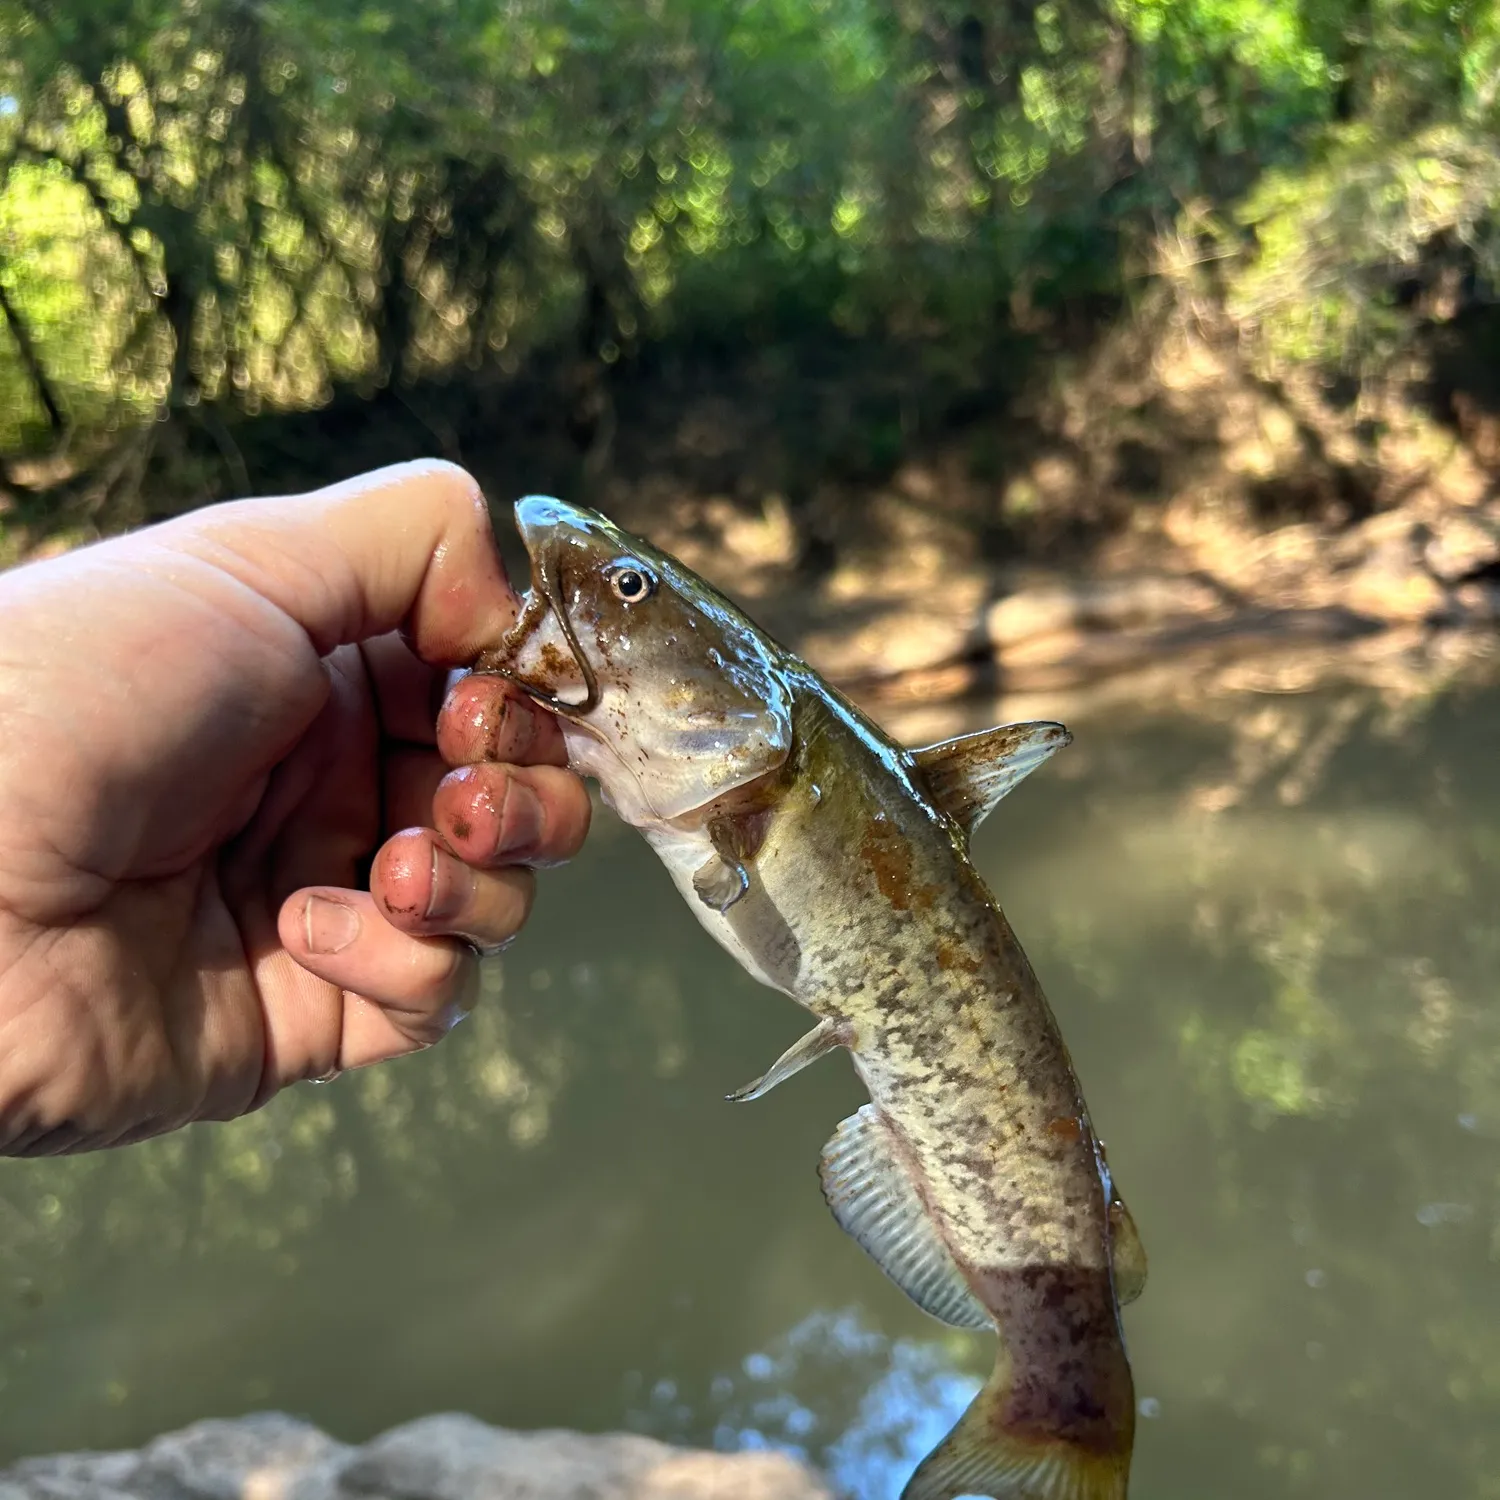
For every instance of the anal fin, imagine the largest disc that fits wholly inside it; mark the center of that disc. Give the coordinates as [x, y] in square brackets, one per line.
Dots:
[1126, 1252]
[818, 1042]
[875, 1202]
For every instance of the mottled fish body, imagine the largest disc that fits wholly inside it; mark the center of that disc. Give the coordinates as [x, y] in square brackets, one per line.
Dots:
[833, 864]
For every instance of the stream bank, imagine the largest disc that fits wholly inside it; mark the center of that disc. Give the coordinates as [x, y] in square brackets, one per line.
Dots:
[1154, 513]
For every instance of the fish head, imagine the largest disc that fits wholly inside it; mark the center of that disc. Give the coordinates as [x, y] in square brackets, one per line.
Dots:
[667, 693]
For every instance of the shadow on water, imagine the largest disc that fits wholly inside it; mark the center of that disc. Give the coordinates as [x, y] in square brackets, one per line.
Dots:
[1272, 948]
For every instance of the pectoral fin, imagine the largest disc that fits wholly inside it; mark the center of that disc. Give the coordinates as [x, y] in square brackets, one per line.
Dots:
[724, 877]
[967, 776]
[872, 1196]
[822, 1039]
[720, 884]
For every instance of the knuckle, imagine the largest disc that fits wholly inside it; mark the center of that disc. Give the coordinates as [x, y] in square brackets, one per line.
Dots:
[506, 906]
[438, 972]
[452, 482]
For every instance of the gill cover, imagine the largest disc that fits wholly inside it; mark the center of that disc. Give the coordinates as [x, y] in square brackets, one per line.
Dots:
[667, 694]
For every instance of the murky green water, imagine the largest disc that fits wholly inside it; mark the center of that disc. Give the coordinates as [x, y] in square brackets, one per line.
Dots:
[1271, 936]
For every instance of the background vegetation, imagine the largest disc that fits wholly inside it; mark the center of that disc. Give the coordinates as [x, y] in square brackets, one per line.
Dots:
[422, 220]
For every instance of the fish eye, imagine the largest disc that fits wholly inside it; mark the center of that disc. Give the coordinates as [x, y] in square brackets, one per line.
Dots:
[631, 581]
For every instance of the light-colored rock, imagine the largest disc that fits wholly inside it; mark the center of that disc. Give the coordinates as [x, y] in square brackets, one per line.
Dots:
[1461, 544]
[1392, 584]
[259, 1457]
[70, 1476]
[270, 1456]
[1104, 604]
[452, 1457]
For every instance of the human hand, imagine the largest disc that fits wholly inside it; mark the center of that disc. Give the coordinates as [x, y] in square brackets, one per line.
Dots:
[209, 730]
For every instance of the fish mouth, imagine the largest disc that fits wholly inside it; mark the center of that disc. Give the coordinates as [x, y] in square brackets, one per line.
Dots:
[542, 521]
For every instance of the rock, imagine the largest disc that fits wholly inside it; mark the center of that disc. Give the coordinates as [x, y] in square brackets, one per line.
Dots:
[453, 1457]
[1391, 583]
[1461, 544]
[71, 1476]
[259, 1457]
[1107, 604]
[270, 1456]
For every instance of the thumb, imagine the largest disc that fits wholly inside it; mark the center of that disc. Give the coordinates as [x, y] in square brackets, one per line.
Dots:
[410, 546]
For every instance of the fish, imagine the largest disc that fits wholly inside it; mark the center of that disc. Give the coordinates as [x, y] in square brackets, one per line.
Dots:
[833, 864]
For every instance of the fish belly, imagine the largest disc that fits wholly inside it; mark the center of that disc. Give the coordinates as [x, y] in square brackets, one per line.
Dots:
[684, 853]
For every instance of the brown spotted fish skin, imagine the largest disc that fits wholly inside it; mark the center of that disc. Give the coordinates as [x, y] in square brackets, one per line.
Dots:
[834, 865]
[954, 1040]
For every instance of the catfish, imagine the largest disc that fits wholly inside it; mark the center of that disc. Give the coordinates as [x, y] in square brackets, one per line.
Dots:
[833, 864]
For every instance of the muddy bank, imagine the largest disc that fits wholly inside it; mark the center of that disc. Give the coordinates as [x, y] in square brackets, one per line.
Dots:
[917, 619]
[1161, 515]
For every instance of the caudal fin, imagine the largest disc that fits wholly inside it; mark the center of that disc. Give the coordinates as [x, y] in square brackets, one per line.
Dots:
[982, 1456]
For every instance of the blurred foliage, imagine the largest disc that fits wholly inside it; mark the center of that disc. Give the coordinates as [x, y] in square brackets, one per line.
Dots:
[213, 207]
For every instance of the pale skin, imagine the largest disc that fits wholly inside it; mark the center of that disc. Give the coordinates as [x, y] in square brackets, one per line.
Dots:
[245, 838]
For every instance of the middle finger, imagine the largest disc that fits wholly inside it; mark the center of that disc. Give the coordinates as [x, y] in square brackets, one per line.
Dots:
[490, 814]
[493, 815]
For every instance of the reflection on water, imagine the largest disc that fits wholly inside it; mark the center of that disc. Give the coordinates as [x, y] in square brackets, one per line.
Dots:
[1269, 931]
[882, 1404]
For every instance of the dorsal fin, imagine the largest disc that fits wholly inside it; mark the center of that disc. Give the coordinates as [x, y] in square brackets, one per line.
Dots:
[967, 776]
[874, 1201]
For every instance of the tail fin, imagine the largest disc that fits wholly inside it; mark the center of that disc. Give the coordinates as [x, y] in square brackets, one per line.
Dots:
[984, 1456]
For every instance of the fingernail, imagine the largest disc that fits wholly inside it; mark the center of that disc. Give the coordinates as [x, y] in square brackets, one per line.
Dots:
[452, 885]
[512, 729]
[520, 819]
[491, 721]
[328, 926]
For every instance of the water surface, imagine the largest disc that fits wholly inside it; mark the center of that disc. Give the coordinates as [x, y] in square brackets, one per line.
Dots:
[1270, 934]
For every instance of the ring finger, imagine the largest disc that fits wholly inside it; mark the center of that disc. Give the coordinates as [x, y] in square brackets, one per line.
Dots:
[422, 888]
